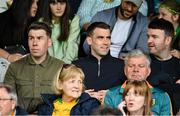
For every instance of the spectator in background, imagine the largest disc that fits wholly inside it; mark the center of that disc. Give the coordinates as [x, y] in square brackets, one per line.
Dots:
[102, 71]
[165, 67]
[3, 68]
[8, 102]
[129, 28]
[88, 8]
[33, 74]
[14, 23]
[153, 8]
[137, 99]
[170, 10]
[70, 98]
[74, 5]
[137, 67]
[103, 111]
[3, 6]
[65, 31]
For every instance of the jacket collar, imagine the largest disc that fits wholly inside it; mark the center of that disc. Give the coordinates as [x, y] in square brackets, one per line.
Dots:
[95, 59]
[49, 98]
[44, 63]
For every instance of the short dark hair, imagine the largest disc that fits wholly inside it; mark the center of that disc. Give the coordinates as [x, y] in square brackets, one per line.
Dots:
[164, 25]
[95, 25]
[41, 25]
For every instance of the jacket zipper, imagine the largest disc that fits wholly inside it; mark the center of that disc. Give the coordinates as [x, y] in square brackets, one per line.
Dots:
[99, 63]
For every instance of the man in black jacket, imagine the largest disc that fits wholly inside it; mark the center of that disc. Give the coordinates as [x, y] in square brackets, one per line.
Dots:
[102, 71]
[165, 67]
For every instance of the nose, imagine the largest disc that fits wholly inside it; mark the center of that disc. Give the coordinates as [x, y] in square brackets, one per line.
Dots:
[59, 5]
[34, 42]
[136, 69]
[130, 7]
[149, 39]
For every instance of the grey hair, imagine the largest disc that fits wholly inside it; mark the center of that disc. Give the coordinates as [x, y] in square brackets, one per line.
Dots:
[138, 53]
[10, 91]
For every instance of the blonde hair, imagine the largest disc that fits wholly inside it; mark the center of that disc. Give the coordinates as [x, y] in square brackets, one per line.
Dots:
[67, 72]
[141, 88]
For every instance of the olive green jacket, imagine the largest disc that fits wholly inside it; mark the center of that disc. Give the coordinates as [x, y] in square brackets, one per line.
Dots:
[30, 79]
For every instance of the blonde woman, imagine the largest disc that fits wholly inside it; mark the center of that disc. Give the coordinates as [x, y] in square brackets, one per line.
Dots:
[70, 98]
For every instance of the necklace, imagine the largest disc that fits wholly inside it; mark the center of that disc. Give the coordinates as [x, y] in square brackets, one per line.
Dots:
[108, 1]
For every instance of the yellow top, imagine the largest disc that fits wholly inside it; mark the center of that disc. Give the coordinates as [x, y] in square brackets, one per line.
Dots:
[62, 108]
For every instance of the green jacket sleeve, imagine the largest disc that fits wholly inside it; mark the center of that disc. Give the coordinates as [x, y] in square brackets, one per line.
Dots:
[72, 44]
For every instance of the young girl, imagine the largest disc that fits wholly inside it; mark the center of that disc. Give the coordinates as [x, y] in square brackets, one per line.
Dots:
[65, 30]
[70, 98]
[137, 99]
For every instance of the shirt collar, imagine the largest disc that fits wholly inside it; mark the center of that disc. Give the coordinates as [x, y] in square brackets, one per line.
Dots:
[44, 63]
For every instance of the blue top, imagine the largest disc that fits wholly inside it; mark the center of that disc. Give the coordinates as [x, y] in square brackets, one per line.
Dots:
[161, 101]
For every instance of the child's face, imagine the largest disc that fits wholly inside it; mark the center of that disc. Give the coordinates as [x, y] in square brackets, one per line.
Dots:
[72, 88]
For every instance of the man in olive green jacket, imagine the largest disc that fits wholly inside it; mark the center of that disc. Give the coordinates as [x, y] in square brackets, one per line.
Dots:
[33, 74]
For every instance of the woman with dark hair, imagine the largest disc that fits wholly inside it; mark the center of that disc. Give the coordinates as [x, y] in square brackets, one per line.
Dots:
[65, 30]
[14, 23]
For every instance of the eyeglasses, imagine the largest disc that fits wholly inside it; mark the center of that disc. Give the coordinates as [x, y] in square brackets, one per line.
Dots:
[4, 99]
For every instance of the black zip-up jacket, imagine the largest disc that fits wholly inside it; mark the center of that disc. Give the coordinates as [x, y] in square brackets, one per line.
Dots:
[103, 74]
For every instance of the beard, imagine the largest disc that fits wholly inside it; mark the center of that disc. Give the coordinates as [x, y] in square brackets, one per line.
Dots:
[121, 10]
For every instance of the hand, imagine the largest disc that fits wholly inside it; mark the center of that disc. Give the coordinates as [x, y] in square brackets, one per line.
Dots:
[91, 92]
[101, 95]
[14, 57]
[121, 107]
[175, 53]
[178, 81]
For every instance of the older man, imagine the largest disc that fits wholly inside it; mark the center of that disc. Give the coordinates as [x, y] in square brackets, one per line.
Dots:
[8, 102]
[137, 67]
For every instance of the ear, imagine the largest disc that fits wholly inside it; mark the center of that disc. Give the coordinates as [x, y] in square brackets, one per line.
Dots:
[168, 40]
[49, 42]
[175, 18]
[89, 40]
